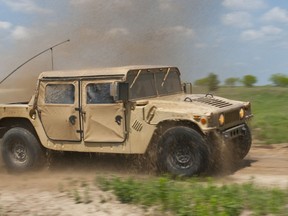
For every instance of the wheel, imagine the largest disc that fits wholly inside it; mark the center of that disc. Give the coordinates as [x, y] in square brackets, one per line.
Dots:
[182, 151]
[21, 150]
[242, 144]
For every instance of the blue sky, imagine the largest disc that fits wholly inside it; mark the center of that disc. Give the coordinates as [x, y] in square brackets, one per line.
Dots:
[230, 38]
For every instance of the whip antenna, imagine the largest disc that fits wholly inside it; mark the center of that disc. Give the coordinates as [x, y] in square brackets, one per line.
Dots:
[50, 48]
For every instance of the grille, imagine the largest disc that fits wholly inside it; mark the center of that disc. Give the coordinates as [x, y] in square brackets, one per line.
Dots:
[137, 125]
[213, 102]
[231, 116]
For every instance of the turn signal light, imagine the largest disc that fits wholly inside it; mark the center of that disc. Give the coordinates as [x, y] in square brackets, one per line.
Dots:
[221, 119]
[241, 113]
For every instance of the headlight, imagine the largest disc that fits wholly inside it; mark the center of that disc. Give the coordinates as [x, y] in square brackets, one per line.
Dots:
[221, 119]
[241, 113]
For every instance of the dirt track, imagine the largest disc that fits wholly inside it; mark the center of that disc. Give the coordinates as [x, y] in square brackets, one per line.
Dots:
[55, 190]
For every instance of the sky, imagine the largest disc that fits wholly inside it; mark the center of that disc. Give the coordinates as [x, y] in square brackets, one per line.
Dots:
[231, 38]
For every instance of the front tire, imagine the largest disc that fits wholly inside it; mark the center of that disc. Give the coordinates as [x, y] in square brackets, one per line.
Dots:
[21, 150]
[182, 151]
[242, 144]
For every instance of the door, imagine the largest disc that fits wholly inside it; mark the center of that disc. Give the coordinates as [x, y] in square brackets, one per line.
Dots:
[103, 118]
[58, 107]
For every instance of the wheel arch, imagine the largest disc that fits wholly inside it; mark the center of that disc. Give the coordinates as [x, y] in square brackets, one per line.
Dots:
[11, 122]
[167, 124]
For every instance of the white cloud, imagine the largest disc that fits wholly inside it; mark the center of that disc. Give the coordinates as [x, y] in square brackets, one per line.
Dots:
[237, 19]
[118, 3]
[20, 33]
[243, 4]
[201, 45]
[276, 14]
[266, 32]
[5, 25]
[116, 32]
[78, 2]
[177, 30]
[28, 6]
[165, 4]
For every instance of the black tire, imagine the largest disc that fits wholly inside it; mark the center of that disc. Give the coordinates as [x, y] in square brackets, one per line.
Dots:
[21, 150]
[182, 151]
[242, 144]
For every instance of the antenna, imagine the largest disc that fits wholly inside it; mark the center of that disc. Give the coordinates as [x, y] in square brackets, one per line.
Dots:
[50, 48]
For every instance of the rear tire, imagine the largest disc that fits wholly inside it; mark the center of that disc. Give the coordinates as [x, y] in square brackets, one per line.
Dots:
[21, 150]
[182, 151]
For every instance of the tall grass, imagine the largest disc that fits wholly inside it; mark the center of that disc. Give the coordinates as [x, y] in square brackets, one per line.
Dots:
[269, 106]
[190, 197]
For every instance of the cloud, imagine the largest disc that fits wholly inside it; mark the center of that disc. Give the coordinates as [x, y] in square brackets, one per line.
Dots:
[20, 33]
[276, 14]
[119, 3]
[177, 31]
[80, 2]
[237, 19]
[201, 45]
[165, 5]
[5, 25]
[244, 4]
[27, 6]
[266, 32]
[14, 32]
[116, 32]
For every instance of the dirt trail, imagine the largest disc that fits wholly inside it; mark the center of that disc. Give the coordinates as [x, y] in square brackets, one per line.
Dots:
[70, 178]
[264, 165]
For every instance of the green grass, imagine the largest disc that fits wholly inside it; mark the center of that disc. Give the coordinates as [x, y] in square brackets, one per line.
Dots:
[269, 106]
[190, 197]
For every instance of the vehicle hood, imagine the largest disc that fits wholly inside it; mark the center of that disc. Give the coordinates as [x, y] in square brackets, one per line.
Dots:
[199, 103]
[183, 106]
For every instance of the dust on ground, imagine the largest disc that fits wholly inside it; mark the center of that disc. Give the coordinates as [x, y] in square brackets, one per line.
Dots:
[67, 186]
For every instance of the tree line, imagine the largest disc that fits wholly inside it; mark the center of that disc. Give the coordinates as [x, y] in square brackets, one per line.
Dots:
[212, 81]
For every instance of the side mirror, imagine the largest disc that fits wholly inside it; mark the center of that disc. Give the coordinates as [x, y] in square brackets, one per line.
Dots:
[123, 92]
[187, 87]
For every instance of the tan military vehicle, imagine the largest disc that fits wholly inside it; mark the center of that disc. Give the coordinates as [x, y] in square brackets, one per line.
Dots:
[124, 110]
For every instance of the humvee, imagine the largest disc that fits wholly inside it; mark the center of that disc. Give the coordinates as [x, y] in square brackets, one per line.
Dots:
[124, 110]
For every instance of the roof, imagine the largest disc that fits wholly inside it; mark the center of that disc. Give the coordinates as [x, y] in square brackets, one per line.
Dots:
[112, 71]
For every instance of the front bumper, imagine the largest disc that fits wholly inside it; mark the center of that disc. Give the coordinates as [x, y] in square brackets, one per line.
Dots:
[234, 132]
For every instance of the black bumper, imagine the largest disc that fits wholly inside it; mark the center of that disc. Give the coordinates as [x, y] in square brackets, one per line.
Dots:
[234, 132]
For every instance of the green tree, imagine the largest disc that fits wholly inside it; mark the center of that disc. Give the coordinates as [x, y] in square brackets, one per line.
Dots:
[280, 80]
[249, 80]
[231, 81]
[211, 81]
[202, 82]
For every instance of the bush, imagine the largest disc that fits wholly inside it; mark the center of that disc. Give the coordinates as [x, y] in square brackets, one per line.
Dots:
[231, 81]
[211, 82]
[249, 80]
[280, 80]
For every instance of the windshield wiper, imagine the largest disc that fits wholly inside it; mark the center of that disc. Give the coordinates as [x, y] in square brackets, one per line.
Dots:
[165, 77]
[135, 78]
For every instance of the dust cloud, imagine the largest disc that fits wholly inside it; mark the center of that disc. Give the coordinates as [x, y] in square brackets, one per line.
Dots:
[105, 34]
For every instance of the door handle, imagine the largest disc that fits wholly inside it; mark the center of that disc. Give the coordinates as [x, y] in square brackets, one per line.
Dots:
[72, 119]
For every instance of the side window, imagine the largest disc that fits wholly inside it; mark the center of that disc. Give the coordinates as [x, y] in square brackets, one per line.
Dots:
[60, 94]
[98, 93]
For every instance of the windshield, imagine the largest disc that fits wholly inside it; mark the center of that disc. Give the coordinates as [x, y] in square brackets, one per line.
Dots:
[154, 82]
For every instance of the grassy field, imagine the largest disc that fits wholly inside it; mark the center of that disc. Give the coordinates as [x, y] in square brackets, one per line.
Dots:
[269, 106]
[191, 197]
